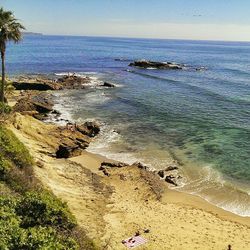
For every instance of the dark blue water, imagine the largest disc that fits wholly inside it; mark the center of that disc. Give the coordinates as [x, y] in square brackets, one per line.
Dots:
[202, 118]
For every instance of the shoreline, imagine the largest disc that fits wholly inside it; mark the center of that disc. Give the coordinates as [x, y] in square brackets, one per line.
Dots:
[57, 174]
[215, 195]
[92, 161]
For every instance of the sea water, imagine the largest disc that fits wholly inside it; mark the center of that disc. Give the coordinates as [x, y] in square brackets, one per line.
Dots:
[201, 118]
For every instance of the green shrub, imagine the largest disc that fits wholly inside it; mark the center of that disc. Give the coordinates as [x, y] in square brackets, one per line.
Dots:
[44, 209]
[13, 150]
[5, 166]
[36, 219]
[4, 108]
[14, 236]
[15, 162]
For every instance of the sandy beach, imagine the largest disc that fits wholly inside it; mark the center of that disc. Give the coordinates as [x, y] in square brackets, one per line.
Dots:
[113, 208]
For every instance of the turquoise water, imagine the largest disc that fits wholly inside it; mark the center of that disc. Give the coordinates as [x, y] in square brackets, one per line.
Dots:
[202, 118]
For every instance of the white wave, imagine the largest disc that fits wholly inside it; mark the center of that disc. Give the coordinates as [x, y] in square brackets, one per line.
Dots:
[104, 145]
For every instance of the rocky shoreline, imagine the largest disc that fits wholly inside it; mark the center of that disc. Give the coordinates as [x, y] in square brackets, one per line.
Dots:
[36, 101]
[123, 198]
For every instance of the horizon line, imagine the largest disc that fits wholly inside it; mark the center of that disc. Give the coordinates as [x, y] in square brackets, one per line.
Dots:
[128, 37]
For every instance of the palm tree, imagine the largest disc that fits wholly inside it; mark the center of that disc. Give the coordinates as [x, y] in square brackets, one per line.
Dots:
[10, 30]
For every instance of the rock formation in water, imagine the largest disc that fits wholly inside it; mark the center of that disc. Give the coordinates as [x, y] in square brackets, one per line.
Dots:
[156, 65]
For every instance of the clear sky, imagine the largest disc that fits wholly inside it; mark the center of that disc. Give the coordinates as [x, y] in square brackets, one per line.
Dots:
[181, 19]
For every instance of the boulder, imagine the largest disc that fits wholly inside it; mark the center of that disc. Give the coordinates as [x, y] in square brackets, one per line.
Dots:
[157, 65]
[171, 180]
[109, 85]
[67, 150]
[161, 173]
[90, 129]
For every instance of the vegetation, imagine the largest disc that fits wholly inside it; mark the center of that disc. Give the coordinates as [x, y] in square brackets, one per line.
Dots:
[10, 30]
[4, 108]
[31, 217]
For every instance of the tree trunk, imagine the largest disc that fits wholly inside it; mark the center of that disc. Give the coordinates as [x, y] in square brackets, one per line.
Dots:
[3, 76]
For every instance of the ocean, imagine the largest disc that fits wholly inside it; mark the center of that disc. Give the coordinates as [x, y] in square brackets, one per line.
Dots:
[201, 118]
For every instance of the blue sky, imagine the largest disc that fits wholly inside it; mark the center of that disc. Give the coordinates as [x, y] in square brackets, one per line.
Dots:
[184, 19]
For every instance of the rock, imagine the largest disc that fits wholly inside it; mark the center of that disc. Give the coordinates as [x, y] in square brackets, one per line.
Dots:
[67, 151]
[105, 172]
[170, 179]
[72, 81]
[109, 85]
[44, 83]
[114, 165]
[41, 86]
[171, 168]
[90, 129]
[101, 168]
[140, 165]
[161, 173]
[157, 65]
[39, 103]
[146, 231]
[71, 142]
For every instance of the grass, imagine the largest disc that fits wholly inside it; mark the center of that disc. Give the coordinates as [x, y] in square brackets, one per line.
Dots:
[30, 216]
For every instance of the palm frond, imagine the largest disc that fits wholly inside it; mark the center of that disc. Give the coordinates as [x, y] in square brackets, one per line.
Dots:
[10, 28]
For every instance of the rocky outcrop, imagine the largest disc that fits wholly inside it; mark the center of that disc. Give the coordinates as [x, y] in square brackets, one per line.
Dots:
[170, 174]
[37, 106]
[68, 150]
[156, 65]
[41, 86]
[90, 129]
[71, 142]
[171, 180]
[36, 82]
[75, 138]
[73, 81]
[43, 83]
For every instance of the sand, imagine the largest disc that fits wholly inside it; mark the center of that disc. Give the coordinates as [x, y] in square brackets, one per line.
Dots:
[114, 208]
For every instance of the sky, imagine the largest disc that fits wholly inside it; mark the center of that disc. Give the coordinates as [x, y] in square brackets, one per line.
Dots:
[170, 19]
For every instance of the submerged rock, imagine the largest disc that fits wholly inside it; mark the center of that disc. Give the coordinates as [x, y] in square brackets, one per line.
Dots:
[157, 65]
